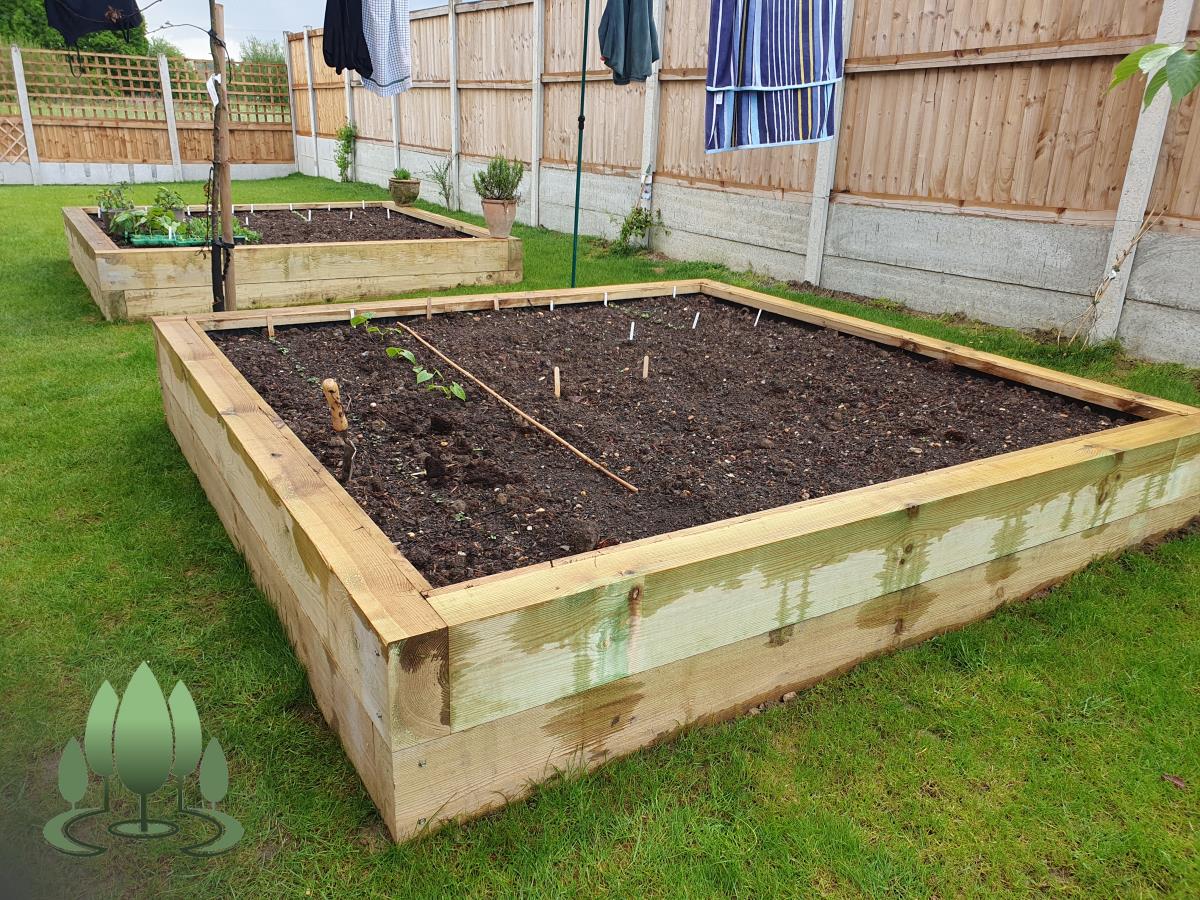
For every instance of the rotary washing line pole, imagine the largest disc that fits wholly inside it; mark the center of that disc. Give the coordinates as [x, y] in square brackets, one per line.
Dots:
[587, 8]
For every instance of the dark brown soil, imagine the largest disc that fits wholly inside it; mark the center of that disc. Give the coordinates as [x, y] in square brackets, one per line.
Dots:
[281, 226]
[733, 419]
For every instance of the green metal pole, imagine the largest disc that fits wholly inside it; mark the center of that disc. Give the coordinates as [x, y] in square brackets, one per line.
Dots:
[587, 9]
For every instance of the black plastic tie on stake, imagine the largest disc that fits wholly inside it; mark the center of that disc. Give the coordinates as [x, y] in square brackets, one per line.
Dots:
[582, 119]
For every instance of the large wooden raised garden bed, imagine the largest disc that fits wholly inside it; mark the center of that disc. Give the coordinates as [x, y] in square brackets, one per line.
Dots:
[141, 282]
[455, 699]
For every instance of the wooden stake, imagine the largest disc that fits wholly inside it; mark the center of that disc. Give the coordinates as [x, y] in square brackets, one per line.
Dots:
[496, 304]
[224, 185]
[557, 385]
[270, 329]
[517, 410]
[333, 399]
[337, 414]
[428, 307]
[646, 366]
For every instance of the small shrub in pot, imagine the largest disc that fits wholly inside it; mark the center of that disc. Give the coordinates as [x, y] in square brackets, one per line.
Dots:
[403, 187]
[497, 188]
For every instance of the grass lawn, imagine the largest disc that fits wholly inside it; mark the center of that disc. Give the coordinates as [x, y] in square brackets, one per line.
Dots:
[1025, 754]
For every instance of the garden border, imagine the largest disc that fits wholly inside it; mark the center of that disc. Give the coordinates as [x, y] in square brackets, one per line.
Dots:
[142, 282]
[456, 700]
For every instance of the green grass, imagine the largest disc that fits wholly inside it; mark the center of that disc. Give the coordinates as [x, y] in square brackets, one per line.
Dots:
[1022, 755]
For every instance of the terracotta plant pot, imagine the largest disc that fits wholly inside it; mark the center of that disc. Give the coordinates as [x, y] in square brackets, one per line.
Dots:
[499, 215]
[404, 190]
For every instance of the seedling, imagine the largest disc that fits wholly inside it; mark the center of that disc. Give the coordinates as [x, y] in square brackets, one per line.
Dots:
[431, 380]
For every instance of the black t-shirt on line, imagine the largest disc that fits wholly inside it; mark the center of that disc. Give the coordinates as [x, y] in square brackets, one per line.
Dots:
[75, 18]
[343, 44]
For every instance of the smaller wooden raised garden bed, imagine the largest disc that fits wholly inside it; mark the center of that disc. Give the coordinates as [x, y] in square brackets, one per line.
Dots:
[477, 608]
[141, 282]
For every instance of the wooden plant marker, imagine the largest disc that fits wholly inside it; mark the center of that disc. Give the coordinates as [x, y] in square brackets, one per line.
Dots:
[557, 385]
[646, 366]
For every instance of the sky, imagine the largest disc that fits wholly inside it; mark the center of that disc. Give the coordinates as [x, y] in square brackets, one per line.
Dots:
[266, 19]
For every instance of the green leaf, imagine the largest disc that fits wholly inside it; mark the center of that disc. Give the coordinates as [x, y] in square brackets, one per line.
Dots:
[142, 736]
[1131, 64]
[98, 733]
[393, 352]
[1183, 74]
[374, 329]
[359, 319]
[408, 354]
[72, 773]
[214, 773]
[458, 391]
[1153, 86]
[186, 720]
[423, 376]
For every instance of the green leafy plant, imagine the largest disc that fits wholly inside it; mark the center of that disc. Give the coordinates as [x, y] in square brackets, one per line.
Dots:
[113, 199]
[430, 379]
[439, 174]
[500, 180]
[402, 174]
[168, 199]
[344, 155]
[638, 223]
[1162, 64]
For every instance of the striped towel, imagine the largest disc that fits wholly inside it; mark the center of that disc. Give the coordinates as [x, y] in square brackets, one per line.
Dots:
[772, 68]
[385, 27]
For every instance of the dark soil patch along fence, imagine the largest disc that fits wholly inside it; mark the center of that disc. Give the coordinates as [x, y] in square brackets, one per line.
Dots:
[334, 258]
[453, 696]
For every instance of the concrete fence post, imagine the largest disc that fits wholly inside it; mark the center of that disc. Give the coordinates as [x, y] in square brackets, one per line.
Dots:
[652, 114]
[395, 131]
[35, 166]
[826, 169]
[312, 103]
[291, 88]
[1139, 181]
[537, 108]
[164, 74]
[455, 112]
[349, 89]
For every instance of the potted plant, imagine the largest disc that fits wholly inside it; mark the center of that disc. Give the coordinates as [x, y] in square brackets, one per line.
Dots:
[403, 187]
[111, 202]
[497, 188]
[169, 200]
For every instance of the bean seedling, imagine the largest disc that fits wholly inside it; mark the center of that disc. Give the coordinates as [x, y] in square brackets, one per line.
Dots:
[430, 379]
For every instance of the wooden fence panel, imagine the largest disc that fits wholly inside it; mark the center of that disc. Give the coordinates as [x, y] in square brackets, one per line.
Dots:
[103, 107]
[372, 115]
[495, 45]
[564, 35]
[1177, 181]
[613, 137]
[425, 119]
[496, 122]
[681, 155]
[430, 48]
[1041, 135]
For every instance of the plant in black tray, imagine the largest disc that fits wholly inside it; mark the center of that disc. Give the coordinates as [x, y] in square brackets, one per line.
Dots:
[112, 201]
[165, 198]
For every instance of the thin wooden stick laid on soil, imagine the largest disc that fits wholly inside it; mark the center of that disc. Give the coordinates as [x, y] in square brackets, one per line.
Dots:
[516, 409]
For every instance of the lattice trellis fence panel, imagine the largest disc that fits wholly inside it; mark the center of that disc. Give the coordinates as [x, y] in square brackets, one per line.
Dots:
[12, 140]
[93, 86]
